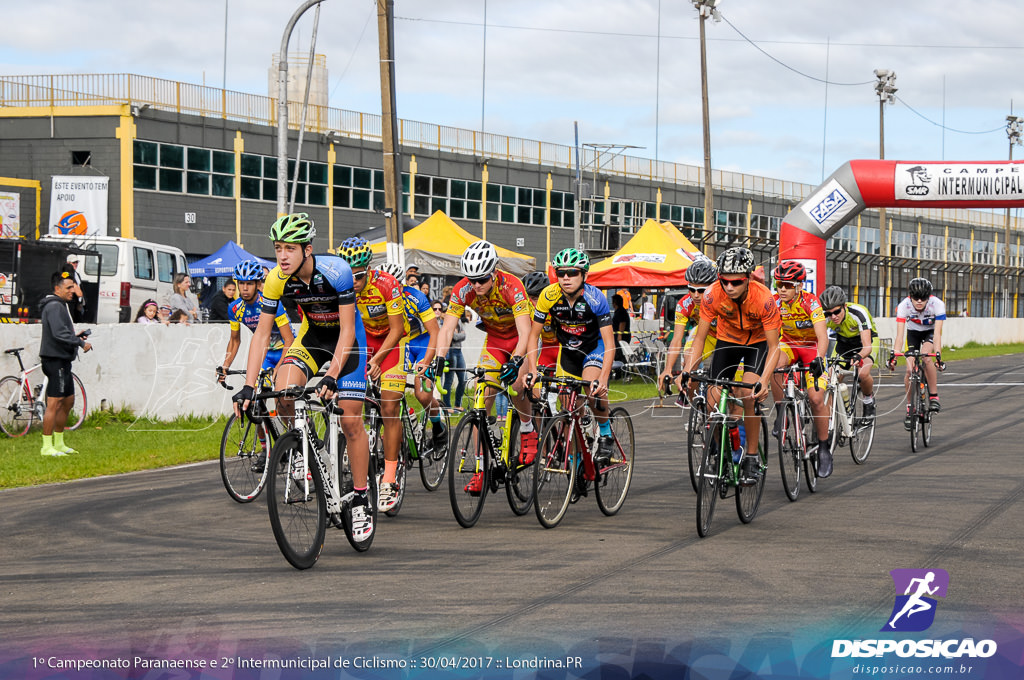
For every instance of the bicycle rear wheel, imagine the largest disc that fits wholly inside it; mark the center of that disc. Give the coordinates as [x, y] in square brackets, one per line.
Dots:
[748, 498]
[15, 407]
[708, 480]
[696, 441]
[863, 432]
[612, 483]
[519, 483]
[468, 458]
[298, 517]
[243, 458]
[433, 460]
[791, 442]
[926, 415]
[555, 475]
[81, 407]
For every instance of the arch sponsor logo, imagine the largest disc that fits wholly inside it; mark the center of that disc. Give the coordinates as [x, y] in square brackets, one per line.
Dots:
[913, 610]
[72, 222]
[830, 205]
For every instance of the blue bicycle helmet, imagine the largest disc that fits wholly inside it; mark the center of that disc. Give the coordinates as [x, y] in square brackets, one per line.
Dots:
[249, 270]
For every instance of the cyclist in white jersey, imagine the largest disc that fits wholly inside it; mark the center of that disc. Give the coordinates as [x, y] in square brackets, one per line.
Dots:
[921, 315]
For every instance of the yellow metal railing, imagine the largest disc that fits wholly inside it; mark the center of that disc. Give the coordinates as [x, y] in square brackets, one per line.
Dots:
[200, 100]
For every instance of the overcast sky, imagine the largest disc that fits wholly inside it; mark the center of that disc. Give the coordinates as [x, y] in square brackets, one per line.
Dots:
[552, 62]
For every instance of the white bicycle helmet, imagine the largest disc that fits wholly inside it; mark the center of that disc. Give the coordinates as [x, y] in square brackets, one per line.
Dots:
[479, 260]
[394, 269]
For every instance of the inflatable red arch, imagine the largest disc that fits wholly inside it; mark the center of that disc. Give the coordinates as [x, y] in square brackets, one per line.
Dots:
[864, 184]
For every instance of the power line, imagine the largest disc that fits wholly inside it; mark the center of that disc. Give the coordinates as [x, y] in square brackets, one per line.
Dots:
[354, 50]
[940, 125]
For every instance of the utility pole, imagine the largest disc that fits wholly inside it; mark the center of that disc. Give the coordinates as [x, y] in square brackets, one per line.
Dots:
[885, 88]
[706, 8]
[389, 132]
[1013, 132]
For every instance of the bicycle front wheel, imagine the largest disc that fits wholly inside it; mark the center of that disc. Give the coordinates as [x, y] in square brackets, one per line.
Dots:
[243, 458]
[81, 407]
[554, 476]
[469, 473]
[926, 415]
[916, 390]
[296, 501]
[748, 498]
[519, 484]
[791, 444]
[15, 407]
[613, 478]
[708, 479]
[434, 459]
[696, 441]
[863, 432]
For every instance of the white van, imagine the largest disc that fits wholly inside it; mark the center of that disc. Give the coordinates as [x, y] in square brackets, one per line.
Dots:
[129, 272]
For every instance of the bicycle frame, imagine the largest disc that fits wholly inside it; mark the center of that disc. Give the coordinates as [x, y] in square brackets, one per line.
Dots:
[329, 466]
[836, 387]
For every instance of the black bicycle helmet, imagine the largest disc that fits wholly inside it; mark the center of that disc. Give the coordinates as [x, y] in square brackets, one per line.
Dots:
[535, 282]
[920, 289]
[832, 297]
[736, 260]
[702, 272]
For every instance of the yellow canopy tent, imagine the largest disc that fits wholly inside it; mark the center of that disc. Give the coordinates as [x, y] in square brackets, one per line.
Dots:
[656, 257]
[436, 246]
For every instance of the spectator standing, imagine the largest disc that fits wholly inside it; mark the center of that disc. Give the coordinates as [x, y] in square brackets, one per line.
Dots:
[220, 301]
[182, 298]
[620, 325]
[77, 304]
[456, 360]
[57, 349]
[647, 310]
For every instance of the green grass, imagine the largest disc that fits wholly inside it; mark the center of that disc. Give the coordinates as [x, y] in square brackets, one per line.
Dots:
[973, 350]
[110, 442]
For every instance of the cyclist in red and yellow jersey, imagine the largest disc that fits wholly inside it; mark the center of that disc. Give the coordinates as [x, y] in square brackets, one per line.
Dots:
[748, 332]
[804, 339]
[505, 316]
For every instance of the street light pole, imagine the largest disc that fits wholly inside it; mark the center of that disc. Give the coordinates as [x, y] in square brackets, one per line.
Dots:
[885, 88]
[282, 108]
[706, 8]
[1013, 132]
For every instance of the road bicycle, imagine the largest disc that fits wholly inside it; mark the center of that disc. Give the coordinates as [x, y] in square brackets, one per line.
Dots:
[719, 474]
[566, 463]
[795, 428]
[696, 424]
[847, 423]
[309, 481]
[21, 403]
[920, 408]
[417, 443]
[478, 446]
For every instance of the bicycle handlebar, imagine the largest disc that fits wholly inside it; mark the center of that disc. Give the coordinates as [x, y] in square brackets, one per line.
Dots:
[721, 382]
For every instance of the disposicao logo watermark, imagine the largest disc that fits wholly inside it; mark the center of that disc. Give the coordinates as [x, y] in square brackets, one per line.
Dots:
[914, 610]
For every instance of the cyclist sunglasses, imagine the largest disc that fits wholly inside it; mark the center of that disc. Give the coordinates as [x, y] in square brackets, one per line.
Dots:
[785, 284]
[359, 275]
[479, 280]
[568, 272]
[696, 290]
[732, 283]
[833, 312]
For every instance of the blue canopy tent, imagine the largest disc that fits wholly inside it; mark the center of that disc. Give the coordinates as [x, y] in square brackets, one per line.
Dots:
[222, 262]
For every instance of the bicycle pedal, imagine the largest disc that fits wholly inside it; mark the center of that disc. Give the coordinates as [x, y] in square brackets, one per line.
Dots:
[336, 520]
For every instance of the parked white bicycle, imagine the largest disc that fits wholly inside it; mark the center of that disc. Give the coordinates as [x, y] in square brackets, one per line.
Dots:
[21, 403]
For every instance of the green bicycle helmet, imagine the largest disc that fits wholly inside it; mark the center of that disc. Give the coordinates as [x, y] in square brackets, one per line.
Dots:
[293, 228]
[570, 257]
[356, 251]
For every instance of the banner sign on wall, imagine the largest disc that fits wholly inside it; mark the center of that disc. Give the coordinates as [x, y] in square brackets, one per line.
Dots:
[958, 182]
[78, 205]
[10, 221]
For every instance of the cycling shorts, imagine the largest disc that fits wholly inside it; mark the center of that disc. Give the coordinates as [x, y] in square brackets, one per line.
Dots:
[548, 355]
[271, 358]
[58, 375]
[311, 350]
[495, 352]
[728, 356]
[847, 348]
[571, 362]
[805, 354]
[392, 371]
[709, 344]
[917, 338]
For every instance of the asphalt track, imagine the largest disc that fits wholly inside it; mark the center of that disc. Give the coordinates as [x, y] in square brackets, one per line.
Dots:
[164, 563]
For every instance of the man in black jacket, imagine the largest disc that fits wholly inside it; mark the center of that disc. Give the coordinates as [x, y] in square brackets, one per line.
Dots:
[221, 300]
[58, 348]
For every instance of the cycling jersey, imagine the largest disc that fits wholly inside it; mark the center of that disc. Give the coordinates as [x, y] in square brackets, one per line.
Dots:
[577, 325]
[380, 299]
[688, 314]
[330, 287]
[798, 319]
[856, 319]
[743, 322]
[934, 310]
[498, 309]
[245, 314]
[417, 312]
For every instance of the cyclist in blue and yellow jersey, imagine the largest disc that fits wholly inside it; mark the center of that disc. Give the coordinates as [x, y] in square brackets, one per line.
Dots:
[245, 310]
[804, 339]
[921, 315]
[699, 275]
[582, 321]
[855, 334]
[416, 351]
[504, 309]
[331, 334]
